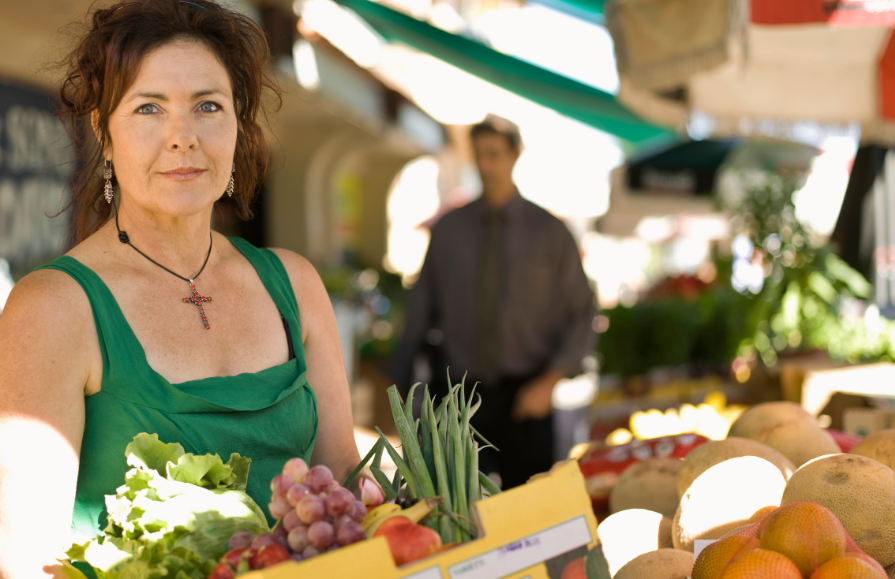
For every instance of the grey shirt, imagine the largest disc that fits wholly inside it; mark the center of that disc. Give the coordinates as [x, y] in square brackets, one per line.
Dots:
[547, 304]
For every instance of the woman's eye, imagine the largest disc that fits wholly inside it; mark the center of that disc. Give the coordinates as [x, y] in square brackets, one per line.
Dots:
[145, 109]
[210, 107]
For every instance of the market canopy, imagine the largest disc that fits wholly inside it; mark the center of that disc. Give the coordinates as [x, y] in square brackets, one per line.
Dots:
[758, 66]
[579, 101]
[591, 10]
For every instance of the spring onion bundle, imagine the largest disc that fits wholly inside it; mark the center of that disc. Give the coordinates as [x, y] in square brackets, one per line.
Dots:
[439, 458]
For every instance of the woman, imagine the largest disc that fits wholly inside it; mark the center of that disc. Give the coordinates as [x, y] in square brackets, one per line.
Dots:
[121, 335]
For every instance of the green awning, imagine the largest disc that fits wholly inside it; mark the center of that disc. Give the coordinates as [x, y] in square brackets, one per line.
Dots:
[574, 99]
[591, 10]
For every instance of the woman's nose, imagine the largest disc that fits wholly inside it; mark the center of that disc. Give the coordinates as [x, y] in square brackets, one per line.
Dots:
[182, 133]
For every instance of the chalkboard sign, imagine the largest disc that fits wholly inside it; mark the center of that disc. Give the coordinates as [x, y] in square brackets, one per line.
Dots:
[35, 164]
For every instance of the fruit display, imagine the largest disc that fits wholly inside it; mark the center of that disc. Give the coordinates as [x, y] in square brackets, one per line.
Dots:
[646, 485]
[780, 497]
[315, 514]
[602, 466]
[800, 540]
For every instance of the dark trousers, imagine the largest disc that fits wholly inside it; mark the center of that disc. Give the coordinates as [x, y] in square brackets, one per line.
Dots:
[524, 448]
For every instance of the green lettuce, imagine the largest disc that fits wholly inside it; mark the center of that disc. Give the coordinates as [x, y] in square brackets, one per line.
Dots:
[174, 514]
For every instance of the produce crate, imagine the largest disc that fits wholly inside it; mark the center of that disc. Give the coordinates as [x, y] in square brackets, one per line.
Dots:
[864, 421]
[530, 531]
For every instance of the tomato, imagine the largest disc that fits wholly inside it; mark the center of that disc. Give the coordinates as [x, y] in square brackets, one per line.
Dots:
[270, 555]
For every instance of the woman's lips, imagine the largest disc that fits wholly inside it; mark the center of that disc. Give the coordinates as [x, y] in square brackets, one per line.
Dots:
[187, 176]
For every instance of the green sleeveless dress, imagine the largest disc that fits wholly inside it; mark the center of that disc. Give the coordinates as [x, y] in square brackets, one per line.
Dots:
[268, 416]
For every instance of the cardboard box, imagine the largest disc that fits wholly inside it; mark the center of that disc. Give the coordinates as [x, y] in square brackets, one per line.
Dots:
[530, 531]
[869, 381]
[864, 421]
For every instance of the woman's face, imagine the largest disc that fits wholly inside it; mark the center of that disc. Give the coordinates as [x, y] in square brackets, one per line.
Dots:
[174, 132]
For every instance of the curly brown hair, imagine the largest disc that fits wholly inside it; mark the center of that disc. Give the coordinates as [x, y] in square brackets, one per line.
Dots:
[104, 63]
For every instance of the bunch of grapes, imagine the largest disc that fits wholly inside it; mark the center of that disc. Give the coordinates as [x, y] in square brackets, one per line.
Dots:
[315, 513]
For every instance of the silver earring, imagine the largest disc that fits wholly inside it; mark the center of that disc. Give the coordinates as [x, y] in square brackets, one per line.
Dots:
[107, 175]
[231, 185]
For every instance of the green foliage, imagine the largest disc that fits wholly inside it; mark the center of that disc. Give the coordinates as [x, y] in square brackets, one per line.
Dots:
[805, 301]
[674, 331]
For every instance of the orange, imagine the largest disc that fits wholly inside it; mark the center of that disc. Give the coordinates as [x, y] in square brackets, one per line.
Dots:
[808, 534]
[850, 566]
[715, 558]
[762, 564]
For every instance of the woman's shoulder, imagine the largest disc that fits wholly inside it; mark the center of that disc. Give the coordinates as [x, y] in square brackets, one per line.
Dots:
[49, 317]
[309, 291]
[49, 292]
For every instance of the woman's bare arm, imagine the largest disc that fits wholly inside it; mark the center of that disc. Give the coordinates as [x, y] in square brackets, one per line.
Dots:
[335, 445]
[48, 352]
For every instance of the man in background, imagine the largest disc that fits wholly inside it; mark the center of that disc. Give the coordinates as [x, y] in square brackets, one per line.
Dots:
[503, 288]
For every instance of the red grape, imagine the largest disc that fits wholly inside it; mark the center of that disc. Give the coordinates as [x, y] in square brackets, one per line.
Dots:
[297, 557]
[321, 534]
[333, 487]
[263, 540]
[296, 492]
[333, 547]
[298, 539]
[310, 509]
[350, 532]
[318, 478]
[358, 511]
[240, 540]
[280, 484]
[290, 521]
[280, 533]
[310, 551]
[279, 507]
[338, 502]
[296, 468]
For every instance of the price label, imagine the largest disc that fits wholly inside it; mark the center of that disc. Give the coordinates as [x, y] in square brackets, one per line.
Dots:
[430, 573]
[522, 554]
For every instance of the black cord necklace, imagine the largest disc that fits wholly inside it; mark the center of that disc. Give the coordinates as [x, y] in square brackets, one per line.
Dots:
[195, 299]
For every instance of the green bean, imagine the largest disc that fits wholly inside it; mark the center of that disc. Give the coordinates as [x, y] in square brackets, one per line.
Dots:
[426, 435]
[408, 404]
[386, 485]
[472, 468]
[377, 460]
[397, 481]
[362, 464]
[403, 467]
[441, 476]
[483, 439]
[458, 464]
[410, 444]
[489, 485]
[475, 407]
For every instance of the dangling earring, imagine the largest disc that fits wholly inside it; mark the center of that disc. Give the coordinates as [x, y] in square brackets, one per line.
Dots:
[231, 185]
[107, 175]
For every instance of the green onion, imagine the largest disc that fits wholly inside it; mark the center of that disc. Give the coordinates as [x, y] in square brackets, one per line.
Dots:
[409, 443]
[489, 485]
[403, 467]
[363, 463]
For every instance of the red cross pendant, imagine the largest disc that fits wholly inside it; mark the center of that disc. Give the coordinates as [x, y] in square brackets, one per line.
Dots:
[198, 300]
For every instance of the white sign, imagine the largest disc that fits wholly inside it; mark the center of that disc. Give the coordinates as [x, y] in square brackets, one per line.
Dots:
[524, 553]
[430, 573]
[701, 544]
